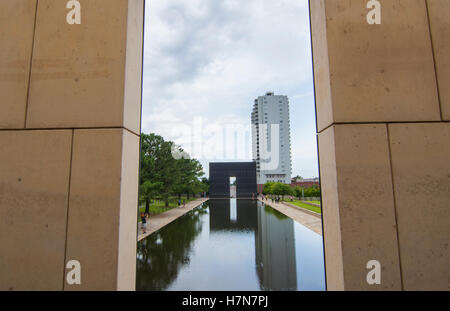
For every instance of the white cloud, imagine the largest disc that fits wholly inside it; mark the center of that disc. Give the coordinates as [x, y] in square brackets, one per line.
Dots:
[212, 58]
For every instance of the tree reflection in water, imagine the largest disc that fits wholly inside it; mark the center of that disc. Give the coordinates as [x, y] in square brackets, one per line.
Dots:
[161, 255]
[245, 245]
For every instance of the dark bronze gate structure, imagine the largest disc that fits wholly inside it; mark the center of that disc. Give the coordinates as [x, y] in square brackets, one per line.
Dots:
[219, 178]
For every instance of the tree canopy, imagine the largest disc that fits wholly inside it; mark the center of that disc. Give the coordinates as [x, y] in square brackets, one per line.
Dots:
[167, 170]
[277, 188]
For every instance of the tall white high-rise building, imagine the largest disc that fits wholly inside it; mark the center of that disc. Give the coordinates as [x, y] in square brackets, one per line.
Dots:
[271, 139]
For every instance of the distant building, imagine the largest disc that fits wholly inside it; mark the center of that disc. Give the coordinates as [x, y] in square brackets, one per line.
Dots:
[305, 182]
[271, 125]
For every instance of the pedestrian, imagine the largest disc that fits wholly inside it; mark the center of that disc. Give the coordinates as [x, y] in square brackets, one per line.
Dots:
[143, 223]
[179, 203]
[184, 203]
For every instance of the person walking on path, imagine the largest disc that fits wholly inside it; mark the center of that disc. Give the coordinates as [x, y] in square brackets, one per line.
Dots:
[179, 202]
[143, 223]
[184, 203]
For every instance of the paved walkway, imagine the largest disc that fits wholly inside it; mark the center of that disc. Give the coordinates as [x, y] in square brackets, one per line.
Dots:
[310, 221]
[156, 222]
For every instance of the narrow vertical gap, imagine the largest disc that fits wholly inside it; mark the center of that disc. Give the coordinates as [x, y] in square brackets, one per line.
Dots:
[31, 63]
[67, 210]
[434, 61]
[321, 215]
[140, 131]
[140, 120]
[395, 206]
[317, 141]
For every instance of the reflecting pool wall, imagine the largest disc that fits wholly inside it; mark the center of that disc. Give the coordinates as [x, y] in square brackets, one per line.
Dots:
[229, 244]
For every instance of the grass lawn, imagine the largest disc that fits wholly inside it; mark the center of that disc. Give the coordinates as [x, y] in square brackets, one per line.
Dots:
[305, 206]
[315, 202]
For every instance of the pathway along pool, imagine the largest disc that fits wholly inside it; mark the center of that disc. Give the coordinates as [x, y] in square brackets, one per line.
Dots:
[231, 245]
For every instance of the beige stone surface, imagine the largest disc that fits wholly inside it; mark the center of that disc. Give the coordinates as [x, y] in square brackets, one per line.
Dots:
[322, 85]
[133, 69]
[421, 166]
[365, 204]
[34, 184]
[378, 73]
[16, 38]
[82, 76]
[126, 275]
[87, 75]
[439, 12]
[330, 211]
[99, 234]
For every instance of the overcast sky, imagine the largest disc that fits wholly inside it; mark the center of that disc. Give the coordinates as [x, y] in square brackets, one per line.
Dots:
[207, 60]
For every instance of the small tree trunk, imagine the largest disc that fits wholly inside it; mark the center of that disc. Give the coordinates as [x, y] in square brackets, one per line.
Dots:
[147, 206]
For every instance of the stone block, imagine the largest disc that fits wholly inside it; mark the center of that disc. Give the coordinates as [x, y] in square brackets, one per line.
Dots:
[34, 186]
[421, 167]
[16, 41]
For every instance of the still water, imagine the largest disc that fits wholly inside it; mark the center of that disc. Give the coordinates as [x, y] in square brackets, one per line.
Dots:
[231, 245]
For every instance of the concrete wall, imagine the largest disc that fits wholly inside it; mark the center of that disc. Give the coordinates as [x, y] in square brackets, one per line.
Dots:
[382, 116]
[69, 143]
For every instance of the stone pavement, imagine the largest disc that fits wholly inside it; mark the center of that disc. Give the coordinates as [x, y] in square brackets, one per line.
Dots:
[312, 222]
[156, 222]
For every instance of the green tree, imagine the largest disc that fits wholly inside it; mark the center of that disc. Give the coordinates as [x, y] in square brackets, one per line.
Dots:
[313, 191]
[158, 165]
[298, 192]
[281, 189]
[205, 184]
[149, 190]
[167, 170]
[285, 190]
[267, 189]
[276, 188]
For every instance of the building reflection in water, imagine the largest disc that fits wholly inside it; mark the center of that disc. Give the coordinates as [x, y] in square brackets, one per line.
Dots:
[274, 239]
[231, 244]
[275, 250]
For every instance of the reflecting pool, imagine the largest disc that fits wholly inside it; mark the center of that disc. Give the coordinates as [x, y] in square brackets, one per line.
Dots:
[229, 244]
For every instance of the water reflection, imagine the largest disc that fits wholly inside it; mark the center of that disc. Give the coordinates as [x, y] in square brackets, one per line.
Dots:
[275, 250]
[161, 255]
[231, 245]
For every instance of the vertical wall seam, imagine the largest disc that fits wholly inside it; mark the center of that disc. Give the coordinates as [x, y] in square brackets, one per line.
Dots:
[322, 217]
[119, 218]
[67, 210]
[140, 120]
[317, 139]
[434, 61]
[31, 63]
[395, 205]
